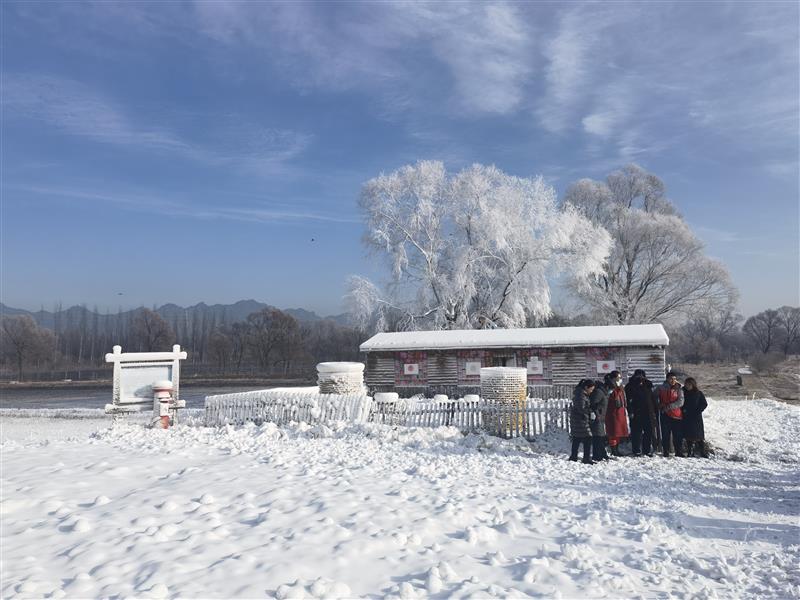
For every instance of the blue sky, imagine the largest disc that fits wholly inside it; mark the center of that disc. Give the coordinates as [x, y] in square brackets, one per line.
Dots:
[208, 151]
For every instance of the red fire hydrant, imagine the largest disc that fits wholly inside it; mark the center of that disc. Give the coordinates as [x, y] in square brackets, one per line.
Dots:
[162, 398]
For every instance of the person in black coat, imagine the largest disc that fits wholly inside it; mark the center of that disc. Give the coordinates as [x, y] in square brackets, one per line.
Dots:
[639, 392]
[580, 418]
[694, 403]
[598, 401]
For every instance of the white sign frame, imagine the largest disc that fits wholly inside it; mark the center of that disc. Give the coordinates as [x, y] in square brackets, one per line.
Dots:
[134, 374]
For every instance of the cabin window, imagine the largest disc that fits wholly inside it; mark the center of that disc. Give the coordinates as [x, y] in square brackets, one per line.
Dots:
[504, 360]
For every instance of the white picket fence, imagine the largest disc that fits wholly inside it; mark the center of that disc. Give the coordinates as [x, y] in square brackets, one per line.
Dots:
[525, 419]
[281, 408]
[741, 398]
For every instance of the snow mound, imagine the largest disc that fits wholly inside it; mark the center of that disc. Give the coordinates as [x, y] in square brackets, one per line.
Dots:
[343, 510]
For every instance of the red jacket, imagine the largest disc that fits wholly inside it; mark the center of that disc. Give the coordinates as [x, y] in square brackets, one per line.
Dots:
[617, 414]
[670, 400]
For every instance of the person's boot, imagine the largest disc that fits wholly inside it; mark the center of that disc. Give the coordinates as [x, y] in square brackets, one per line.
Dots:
[689, 448]
[703, 449]
[615, 451]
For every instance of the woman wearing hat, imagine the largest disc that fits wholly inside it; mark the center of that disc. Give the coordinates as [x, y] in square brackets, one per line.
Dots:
[616, 413]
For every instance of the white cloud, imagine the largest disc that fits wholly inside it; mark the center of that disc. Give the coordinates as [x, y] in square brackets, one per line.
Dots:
[157, 203]
[76, 110]
[486, 50]
[79, 110]
[490, 54]
[619, 79]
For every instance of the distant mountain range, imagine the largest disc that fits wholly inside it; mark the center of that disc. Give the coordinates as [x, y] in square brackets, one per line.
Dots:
[172, 313]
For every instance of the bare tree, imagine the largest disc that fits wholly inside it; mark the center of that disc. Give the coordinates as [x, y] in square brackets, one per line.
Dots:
[151, 332]
[789, 319]
[220, 348]
[708, 336]
[657, 268]
[763, 329]
[238, 333]
[267, 331]
[24, 341]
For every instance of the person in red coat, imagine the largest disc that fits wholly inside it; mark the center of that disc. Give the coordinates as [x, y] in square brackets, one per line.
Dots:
[616, 413]
[670, 403]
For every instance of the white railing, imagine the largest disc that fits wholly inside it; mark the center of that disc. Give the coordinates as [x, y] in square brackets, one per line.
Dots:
[528, 418]
[281, 407]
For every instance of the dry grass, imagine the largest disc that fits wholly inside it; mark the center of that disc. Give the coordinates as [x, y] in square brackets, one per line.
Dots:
[781, 382]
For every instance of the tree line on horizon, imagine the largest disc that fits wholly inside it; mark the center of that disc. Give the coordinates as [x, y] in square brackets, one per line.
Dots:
[467, 250]
[267, 343]
[272, 343]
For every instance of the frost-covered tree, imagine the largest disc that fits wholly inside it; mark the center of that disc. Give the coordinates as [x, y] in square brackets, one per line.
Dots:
[657, 269]
[468, 250]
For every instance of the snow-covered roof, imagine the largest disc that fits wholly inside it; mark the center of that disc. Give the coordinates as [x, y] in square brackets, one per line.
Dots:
[541, 337]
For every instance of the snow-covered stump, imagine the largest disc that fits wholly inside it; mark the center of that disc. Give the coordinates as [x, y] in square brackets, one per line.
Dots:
[340, 377]
[504, 390]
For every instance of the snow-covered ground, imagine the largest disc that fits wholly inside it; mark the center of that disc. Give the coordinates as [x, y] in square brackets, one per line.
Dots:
[90, 511]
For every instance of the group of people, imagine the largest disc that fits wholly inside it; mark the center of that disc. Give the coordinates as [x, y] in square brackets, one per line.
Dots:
[652, 417]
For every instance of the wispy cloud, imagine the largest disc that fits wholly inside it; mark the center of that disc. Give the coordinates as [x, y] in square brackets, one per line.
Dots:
[78, 110]
[726, 236]
[629, 74]
[160, 204]
[486, 49]
[784, 169]
[567, 54]
[618, 79]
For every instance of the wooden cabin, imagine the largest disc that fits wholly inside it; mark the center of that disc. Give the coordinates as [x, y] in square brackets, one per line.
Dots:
[449, 362]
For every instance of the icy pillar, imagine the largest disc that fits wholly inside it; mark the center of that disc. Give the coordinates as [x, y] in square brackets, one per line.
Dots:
[504, 390]
[340, 377]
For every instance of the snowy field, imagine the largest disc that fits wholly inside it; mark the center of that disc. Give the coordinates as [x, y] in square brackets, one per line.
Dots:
[253, 512]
